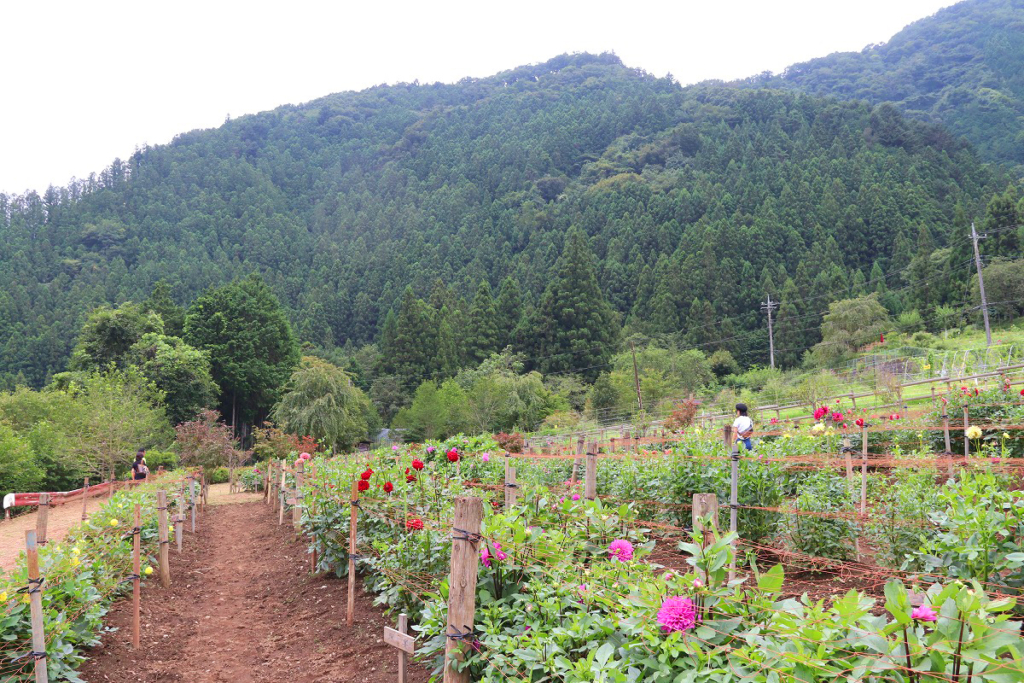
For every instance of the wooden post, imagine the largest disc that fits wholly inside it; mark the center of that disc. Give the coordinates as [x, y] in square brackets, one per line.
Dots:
[179, 519]
[280, 490]
[614, 446]
[853, 400]
[945, 431]
[848, 459]
[462, 585]
[403, 628]
[205, 489]
[266, 481]
[165, 560]
[352, 554]
[42, 518]
[864, 470]
[137, 577]
[192, 499]
[705, 505]
[967, 442]
[35, 596]
[511, 489]
[577, 464]
[297, 506]
[733, 495]
[590, 482]
[85, 500]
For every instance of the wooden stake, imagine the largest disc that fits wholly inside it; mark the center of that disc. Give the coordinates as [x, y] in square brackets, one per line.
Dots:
[352, 554]
[179, 519]
[462, 585]
[945, 432]
[280, 488]
[192, 500]
[511, 489]
[137, 582]
[85, 500]
[297, 506]
[42, 518]
[733, 494]
[864, 470]
[35, 596]
[165, 560]
[848, 459]
[967, 442]
[505, 482]
[266, 481]
[590, 477]
[403, 628]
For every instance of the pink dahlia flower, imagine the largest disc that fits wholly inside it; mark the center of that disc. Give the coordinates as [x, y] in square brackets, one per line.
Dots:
[621, 550]
[923, 613]
[677, 614]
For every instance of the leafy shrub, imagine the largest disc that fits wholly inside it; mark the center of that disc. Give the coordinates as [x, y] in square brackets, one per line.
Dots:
[166, 459]
[899, 516]
[980, 532]
[250, 478]
[817, 535]
[218, 475]
[510, 443]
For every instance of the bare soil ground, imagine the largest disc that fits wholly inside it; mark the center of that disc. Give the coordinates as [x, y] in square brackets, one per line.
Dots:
[60, 519]
[244, 608]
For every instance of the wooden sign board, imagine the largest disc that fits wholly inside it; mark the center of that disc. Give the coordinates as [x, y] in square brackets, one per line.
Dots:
[290, 501]
[402, 641]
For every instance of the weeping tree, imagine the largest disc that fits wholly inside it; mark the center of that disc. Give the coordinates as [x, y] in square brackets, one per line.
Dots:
[321, 401]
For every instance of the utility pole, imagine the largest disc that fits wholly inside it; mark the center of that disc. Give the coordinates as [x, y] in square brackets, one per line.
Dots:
[636, 378]
[981, 285]
[770, 306]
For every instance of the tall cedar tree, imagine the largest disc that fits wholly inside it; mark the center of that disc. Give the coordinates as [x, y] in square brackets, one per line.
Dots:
[484, 331]
[252, 347]
[574, 327]
[510, 313]
[408, 348]
[161, 303]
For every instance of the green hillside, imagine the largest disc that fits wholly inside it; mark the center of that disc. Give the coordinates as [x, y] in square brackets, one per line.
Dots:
[962, 67]
[695, 204]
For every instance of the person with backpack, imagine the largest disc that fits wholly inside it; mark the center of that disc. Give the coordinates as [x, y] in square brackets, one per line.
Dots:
[139, 469]
[743, 426]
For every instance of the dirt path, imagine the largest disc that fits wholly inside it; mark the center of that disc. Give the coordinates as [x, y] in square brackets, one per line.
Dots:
[64, 517]
[243, 608]
[60, 519]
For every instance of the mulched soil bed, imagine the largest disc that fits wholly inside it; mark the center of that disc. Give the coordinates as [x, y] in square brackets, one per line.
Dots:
[243, 608]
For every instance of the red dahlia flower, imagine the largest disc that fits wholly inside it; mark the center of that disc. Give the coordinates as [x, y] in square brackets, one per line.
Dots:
[388, 487]
[416, 465]
[364, 485]
[416, 524]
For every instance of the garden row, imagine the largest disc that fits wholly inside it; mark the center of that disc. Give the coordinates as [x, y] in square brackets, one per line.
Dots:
[619, 588]
[52, 605]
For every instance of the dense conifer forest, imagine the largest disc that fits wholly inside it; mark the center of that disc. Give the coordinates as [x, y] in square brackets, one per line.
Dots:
[411, 231]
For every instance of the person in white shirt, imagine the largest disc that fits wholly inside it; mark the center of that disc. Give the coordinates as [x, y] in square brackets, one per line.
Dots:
[743, 426]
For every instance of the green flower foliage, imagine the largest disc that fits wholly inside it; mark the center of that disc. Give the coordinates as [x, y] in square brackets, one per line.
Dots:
[84, 573]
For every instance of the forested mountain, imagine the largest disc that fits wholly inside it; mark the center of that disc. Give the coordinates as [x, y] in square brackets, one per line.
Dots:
[398, 202]
[963, 67]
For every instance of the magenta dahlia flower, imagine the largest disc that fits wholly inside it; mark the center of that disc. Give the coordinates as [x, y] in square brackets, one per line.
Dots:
[621, 550]
[677, 614]
[923, 613]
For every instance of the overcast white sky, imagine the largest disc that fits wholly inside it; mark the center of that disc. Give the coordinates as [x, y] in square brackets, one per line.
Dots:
[89, 81]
